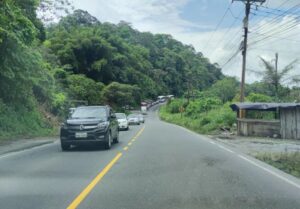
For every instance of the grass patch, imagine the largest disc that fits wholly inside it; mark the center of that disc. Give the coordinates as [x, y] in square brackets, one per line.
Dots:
[22, 122]
[287, 162]
[208, 122]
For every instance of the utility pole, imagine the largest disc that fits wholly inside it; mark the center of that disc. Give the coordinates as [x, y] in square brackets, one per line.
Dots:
[277, 78]
[248, 4]
[244, 52]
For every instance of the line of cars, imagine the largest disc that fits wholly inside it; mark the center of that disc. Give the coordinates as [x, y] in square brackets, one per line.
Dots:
[95, 125]
[132, 119]
[145, 105]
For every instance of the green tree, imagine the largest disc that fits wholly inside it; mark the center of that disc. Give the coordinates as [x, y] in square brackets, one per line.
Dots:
[21, 65]
[117, 94]
[82, 88]
[157, 64]
[254, 97]
[225, 89]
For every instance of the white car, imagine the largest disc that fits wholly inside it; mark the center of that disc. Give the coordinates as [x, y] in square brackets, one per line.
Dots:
[122, 121]
[141, 118]
[133, 119]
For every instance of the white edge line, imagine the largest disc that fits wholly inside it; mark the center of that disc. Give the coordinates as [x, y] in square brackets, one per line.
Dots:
[270, 172]
[246, 159]
[224, 148]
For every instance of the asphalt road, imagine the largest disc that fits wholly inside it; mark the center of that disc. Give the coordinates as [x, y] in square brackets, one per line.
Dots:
[163, 166]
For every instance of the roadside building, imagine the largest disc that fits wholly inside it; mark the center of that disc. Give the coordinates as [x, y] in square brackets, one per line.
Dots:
[268, 119]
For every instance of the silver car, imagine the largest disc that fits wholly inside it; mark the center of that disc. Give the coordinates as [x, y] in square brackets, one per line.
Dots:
[141, 118]
[133, 119]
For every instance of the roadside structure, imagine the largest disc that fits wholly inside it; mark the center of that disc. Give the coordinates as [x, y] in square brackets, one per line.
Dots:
[285, 123]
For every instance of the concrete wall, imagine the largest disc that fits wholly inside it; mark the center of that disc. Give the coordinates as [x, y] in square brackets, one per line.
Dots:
[256, 127]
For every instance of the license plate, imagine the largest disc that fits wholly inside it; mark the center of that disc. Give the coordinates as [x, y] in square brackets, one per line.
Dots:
[81, 135]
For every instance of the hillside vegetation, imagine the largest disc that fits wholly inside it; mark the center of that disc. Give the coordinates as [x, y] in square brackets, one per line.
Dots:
[46, 70]
[209, 112]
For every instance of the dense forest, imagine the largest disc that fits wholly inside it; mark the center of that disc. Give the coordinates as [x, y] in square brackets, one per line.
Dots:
[44, 70]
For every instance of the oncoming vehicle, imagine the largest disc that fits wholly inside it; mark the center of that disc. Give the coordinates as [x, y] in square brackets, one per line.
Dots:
[122, 121]
[133, 119]
[90, 125]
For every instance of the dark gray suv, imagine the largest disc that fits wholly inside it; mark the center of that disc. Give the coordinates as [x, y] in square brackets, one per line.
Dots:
[90, 125]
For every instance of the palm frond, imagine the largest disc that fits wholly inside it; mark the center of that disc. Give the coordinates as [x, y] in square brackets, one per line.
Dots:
[296, 79]
[256, 72]
[288, 68]
[270, 74]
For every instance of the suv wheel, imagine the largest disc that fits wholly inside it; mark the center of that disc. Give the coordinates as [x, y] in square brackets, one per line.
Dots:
[108, 141]
[116, 140]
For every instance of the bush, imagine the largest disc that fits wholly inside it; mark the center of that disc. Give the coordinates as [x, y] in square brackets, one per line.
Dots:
[288, 162]
[203, 122]
[119, 95]
[253, 97]
[82, 88]
[20, 121]
[195, 108]
[174, 106]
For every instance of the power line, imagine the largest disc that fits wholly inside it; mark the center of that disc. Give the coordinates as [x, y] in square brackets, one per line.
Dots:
[278, 38]
[278, 28]
[269, 49]
[218, 25]
[231, 58]
[273, 20]
[285, 29]
[227, 31]
[272, 10]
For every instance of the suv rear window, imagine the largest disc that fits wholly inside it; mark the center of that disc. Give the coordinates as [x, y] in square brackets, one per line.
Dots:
[90, 112]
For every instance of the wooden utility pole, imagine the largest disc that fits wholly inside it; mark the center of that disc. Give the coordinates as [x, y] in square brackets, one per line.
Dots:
[277, 78]
[245, 43]
[244, 50]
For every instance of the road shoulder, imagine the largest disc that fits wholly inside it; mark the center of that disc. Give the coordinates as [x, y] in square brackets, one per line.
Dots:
[23, 144]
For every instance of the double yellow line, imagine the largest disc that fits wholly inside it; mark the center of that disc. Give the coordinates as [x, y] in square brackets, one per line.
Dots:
[76, 202]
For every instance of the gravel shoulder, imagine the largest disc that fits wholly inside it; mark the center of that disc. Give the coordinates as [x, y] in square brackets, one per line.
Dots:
[254, 145]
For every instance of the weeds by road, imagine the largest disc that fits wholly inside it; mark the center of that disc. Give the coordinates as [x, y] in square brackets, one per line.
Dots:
[287, 162]
[206, 122]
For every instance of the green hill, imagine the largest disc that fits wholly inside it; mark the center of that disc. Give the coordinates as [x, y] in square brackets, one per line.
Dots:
[44, 69]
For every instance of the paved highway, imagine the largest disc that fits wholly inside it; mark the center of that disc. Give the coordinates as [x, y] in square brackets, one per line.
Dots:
[155, 166]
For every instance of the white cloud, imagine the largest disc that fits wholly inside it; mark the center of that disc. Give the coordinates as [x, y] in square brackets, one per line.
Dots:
[163, 16]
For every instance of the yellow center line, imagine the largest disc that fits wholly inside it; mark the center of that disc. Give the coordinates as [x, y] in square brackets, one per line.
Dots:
[76, 202]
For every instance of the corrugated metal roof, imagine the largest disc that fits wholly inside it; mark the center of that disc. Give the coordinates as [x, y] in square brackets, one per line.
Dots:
[262, 106]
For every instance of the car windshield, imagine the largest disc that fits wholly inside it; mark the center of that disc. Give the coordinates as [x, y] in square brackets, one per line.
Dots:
[89, 113]
[120, 116]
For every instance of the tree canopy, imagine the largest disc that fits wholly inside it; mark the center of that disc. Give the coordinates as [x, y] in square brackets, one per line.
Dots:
[157, 64]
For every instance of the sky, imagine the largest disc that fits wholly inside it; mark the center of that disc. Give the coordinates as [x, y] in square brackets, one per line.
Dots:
[214, 27]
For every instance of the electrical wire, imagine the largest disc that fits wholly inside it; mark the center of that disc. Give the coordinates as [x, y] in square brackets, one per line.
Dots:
[227, 32]
[217, 27]
[275, 19]
[281, 31]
